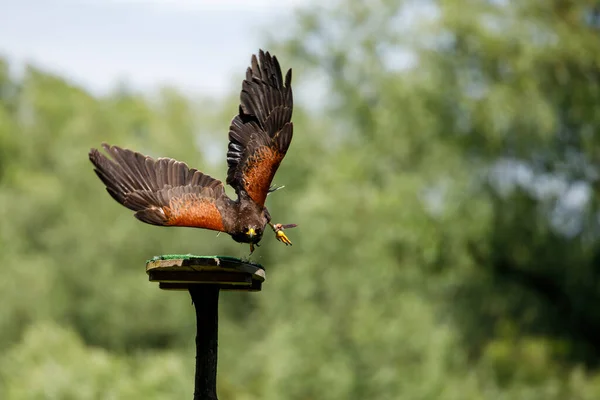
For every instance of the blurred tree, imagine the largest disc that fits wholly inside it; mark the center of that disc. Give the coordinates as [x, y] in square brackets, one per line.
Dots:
[444, 176]
[64, 239]
[463, 170]
[525, 78]
[53, 363]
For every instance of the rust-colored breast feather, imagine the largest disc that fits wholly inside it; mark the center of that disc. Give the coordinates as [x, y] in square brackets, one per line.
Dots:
[193, 211]
[259, 171]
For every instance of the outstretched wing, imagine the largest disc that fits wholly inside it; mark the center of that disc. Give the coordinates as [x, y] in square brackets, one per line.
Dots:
[162, 192]
[260, 135]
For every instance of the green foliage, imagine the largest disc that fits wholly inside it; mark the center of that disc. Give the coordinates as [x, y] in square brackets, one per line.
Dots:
[52, 363]
[444, 178]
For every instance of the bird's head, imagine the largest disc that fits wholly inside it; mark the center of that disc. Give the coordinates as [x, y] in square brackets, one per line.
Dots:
[253, 234]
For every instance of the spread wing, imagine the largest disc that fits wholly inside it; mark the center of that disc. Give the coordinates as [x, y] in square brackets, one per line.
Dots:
[162, 192]
[260, 135]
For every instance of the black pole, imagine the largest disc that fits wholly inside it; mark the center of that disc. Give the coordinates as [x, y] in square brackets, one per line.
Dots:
[206, 303]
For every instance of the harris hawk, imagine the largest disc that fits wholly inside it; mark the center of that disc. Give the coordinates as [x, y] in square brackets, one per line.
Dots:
[166, 192]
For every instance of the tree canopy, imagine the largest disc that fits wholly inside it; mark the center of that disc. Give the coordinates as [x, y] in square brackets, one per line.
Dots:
[444, 176]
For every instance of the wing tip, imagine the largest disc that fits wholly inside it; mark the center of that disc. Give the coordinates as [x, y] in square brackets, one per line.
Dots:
[265, 63]
[96, 153]
[93, 154]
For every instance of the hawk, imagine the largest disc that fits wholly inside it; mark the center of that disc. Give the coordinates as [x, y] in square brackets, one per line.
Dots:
[166, 192]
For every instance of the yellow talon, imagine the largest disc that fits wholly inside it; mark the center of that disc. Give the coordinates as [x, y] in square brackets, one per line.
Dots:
[282, 237]
[278, 228]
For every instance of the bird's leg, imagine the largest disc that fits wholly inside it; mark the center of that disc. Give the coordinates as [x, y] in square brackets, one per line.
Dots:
[278, 229]
[252, 248]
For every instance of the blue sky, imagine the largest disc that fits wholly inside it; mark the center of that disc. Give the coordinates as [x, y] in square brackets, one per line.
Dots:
[200, 46]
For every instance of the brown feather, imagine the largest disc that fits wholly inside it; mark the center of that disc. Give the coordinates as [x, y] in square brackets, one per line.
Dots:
[260, 135]
[164, 191]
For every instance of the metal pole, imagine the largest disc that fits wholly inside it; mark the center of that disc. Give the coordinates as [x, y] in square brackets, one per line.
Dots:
[206, 303]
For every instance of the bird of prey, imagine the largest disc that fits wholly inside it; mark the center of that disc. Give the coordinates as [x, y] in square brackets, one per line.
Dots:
[166, 192]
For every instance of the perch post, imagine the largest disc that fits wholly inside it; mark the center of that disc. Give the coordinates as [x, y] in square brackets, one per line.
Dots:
[204, 277]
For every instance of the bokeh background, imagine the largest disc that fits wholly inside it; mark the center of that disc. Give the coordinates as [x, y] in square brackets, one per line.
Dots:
[444, 175]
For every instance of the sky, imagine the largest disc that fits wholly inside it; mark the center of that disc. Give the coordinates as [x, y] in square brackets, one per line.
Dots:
[199, 46]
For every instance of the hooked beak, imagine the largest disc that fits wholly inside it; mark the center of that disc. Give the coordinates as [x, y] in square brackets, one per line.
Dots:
[251, 233]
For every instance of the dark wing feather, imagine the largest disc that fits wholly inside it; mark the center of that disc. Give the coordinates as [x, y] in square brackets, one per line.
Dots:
[162, 192]
[260, 135]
